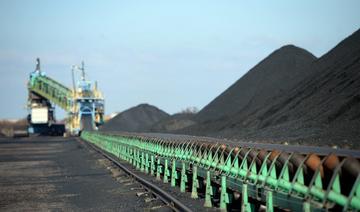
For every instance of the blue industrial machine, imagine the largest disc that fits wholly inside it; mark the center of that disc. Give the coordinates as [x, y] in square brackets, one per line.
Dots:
[84, 103]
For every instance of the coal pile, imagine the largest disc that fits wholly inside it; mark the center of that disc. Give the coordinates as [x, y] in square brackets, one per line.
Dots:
[292, 96]
[278, 72]
[135, 119]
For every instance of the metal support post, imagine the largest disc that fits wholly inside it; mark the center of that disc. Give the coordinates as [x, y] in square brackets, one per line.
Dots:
[269, 201]
[245, 205]
[147, 163]
[195, 183]
[173, 173]
[208, 191]
[137, 159]
[158, 169]
[152, 165]
[224, 196]
[142, 162]
[183, 178]
[166, 172]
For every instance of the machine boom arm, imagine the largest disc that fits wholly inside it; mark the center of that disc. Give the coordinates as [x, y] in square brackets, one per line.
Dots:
[52, 90]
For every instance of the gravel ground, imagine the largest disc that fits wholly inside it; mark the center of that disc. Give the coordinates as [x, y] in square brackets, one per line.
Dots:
[48, 173]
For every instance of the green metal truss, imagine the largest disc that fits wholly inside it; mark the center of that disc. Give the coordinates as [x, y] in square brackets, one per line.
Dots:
[51, 90]
[233, 170]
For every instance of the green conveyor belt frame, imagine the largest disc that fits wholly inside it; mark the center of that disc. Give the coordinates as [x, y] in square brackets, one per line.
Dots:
[267, 183]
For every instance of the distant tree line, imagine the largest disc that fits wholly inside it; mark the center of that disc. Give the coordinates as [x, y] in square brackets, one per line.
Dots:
[189, 110]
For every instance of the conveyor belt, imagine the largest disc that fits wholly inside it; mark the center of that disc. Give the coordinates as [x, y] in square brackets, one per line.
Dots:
[303, 149]
[278, 176]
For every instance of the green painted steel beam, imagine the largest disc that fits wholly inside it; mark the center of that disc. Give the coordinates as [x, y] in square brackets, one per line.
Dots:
[52, 90]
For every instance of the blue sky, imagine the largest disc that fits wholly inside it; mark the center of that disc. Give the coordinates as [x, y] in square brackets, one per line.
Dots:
[172, 54]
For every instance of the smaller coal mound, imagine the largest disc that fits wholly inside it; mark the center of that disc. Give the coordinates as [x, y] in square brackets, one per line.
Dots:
[135, 119]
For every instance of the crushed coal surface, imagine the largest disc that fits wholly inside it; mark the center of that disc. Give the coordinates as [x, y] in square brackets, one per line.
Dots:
[174, 122]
